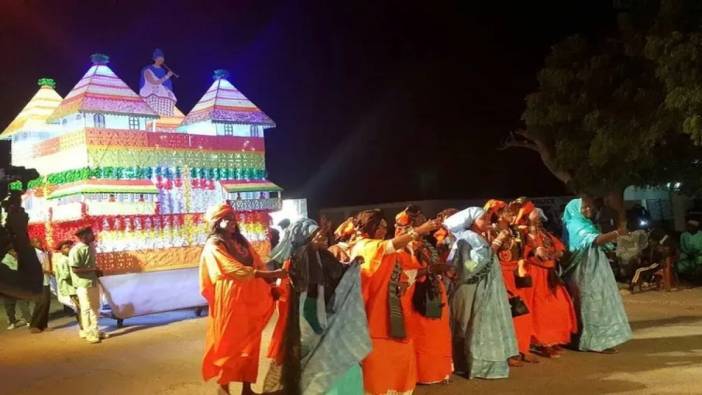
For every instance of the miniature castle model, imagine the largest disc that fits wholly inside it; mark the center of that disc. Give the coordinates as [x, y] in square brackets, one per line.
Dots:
[107, 159]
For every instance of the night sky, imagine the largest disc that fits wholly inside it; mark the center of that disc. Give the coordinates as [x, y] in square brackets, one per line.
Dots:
[375, 101]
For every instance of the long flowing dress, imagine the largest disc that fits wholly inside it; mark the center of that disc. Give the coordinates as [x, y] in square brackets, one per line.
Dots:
[390, 368]
[552, 308]
[240, 306]
[431, 336]
[602, 319]
[481, 317]
[523, 324]
[321, 335]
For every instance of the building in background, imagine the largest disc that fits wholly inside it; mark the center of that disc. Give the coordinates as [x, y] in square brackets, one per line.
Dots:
[142, 181]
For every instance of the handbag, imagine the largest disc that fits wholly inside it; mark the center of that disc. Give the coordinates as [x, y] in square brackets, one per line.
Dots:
[517, 305]
[427, 298]
[522, 282]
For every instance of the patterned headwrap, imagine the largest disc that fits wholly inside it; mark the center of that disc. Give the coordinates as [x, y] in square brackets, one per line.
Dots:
[217, 212]
[302, 231]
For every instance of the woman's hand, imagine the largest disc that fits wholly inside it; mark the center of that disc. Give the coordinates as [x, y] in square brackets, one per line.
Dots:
[271, 274]
[280, 273]
[428, 227]
[439, 268]
[542, 253]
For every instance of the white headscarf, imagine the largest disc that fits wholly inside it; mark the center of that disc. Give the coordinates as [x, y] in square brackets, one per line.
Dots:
[463, 219]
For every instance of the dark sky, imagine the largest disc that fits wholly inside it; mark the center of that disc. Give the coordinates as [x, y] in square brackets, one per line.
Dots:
[375, 101]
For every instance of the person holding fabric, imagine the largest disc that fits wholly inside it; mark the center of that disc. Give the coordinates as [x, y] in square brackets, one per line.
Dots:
[321, 335]
[62, 271]
[84, 276]
[552, 308]
[603, 321]
[507, 238]
[233, 281]
[483, 331]
[390, 368]
[430, 327]
[689, 265]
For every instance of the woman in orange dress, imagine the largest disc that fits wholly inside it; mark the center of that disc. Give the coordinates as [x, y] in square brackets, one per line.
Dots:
[390, 368]
[552, 308]
[510, 253]
[430, 327]
[233, 281]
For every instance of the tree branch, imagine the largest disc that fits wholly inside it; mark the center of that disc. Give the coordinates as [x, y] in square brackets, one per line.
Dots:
[513, 142]
[520, 138]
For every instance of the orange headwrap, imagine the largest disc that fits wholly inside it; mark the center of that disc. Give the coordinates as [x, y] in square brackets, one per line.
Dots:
[345, 230]
[526, 208]
[403, 218]
[217, 212]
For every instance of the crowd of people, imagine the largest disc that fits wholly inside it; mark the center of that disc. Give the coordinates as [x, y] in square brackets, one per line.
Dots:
[73, 266]
[474, 292]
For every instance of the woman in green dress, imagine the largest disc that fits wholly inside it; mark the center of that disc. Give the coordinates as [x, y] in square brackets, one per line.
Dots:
[483, 332]
[603, 323]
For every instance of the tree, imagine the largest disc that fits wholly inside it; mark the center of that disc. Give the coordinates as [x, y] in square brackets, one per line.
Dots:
[624, 110]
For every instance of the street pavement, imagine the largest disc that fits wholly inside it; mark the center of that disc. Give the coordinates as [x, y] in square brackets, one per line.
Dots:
[160, 354]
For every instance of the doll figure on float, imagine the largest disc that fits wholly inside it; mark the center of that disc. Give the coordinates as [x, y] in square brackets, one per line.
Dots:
[156, 87]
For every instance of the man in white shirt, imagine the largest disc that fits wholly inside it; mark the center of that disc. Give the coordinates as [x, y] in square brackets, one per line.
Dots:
[40, 316]
[84, 277]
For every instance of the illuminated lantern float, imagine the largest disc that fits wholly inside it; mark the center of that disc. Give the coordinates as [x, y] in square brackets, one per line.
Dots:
[142, 180]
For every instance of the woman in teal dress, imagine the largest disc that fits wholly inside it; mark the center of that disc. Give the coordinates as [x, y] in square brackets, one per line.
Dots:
[603, 323]
[481, 317]
[324, 327]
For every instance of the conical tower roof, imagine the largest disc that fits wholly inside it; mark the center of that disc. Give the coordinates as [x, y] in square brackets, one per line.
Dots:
[34, 115]
[101, 90]
[224, 103]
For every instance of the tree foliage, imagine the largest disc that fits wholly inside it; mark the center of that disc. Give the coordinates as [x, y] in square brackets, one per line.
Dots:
[623, 110]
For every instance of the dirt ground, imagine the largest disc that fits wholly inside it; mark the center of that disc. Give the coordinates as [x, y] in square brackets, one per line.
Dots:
[160, 354]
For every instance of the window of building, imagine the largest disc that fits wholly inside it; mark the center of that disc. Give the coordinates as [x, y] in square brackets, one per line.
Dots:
[99, 120]
[134, 123]
[228, 129]
[255, 131]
